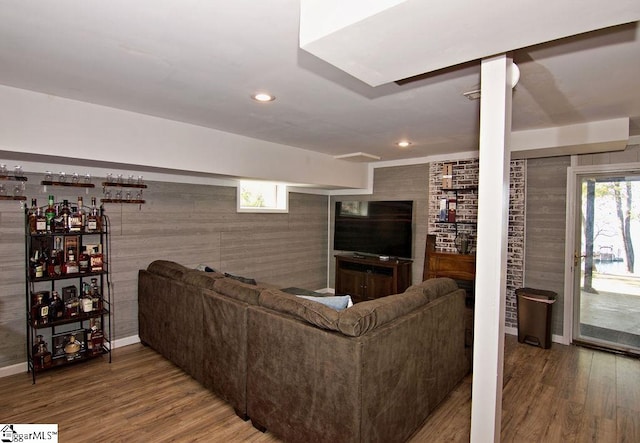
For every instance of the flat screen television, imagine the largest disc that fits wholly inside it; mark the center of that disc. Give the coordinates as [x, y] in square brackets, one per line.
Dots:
[374, 227]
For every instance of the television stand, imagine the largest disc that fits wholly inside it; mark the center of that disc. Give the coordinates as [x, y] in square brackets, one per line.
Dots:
[368, 277]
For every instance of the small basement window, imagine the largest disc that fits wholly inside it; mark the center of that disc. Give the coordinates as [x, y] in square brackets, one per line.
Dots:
[257, 196]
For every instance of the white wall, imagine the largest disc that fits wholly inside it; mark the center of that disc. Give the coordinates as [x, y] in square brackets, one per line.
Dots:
[45, 125]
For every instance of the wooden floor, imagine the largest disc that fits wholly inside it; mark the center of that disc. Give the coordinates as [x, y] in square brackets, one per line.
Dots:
[562, 394]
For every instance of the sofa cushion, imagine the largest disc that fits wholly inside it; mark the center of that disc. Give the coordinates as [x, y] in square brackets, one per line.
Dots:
[201, 279]
[434, 287]
[337, 302]
[303, 309]
[368, 315]
[238, 290]
[168, 269]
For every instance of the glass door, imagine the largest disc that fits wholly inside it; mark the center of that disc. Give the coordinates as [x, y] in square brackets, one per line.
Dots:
[607, 286]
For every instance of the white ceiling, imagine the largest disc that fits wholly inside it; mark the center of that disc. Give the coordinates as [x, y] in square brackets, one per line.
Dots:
[198, 61]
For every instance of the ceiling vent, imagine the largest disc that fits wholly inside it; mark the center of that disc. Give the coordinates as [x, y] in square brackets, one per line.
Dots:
[359, 157]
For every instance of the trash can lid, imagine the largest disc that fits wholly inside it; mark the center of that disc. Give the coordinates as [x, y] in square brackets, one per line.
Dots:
[540, 294]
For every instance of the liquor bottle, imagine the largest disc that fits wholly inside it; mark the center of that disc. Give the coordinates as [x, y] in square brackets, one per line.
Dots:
[44, 262]
[95, 260]
[33, 264]
[95, 338]
[83, 261]
[41, 222]
[76, 218]
[71, 265]
[94, 222]
[56, 307]
[50, 214]
[36, 345]
[72, 348]
[72, 306]
[42, 357]
[96, 297]
[54, 265]
[32, 216]
[40, 311]
[65, 213]
[59, 223]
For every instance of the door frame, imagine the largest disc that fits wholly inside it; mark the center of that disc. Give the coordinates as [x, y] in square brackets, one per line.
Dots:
[571, 233]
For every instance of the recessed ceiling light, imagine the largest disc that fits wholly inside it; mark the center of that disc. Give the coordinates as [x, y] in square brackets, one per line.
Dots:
[404, 144]
[263, 97]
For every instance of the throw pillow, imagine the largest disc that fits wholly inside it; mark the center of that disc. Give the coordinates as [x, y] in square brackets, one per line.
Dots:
[337, 302]
[245, 280]
[205, 268]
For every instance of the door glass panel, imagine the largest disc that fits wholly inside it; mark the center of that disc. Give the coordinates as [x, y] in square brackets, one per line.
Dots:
[608, 290]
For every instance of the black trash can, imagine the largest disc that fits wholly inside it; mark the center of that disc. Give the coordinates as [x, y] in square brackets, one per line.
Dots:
[534, 316]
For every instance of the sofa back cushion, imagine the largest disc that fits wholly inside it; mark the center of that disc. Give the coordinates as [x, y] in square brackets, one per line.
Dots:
[434, 287]
[238, 290]
[201, 279]
[368, 315]
[301, 308]
[167, 269]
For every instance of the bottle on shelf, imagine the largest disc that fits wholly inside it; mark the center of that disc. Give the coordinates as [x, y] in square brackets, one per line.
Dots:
[83, 261]
[56, 307]
[86, 303]
[36, 344]
[65, 213]
[95, 259]
[94, 222]
[72, 348]
[50, 214]
[71, 265]
[59, 223]
[96, 297]
[76, 217]
[72, 306]
[43, 263]
[41, 355]
[41, 221]
[32, 216]
[35, 267]
[40, 311]
[95, 337]
[54, 265]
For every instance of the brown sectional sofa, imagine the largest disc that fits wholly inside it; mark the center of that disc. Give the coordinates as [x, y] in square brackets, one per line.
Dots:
[303, 371]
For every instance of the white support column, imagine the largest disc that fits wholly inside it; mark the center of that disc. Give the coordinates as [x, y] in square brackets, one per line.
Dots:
[491, 257]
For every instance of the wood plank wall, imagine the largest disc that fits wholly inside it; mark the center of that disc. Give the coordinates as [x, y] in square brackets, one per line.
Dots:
[397, 183]
[545, 230]
[546, 215]
[190, 224]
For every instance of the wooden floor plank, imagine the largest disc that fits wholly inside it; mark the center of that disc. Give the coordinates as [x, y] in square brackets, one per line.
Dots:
[562, 394]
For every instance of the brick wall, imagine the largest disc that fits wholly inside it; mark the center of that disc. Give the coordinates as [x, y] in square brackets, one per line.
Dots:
[465, 175]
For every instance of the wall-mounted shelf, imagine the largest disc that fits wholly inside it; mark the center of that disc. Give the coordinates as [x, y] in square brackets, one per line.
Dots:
[462, 222]
[465, 189]
[121, 200]
[124, 185]
[15, 178]
[67, 184]
[13, 197]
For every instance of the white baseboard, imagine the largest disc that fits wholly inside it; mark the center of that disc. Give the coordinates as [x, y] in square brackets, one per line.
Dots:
[126, 341]
[22, 367]
[554, 338]
[13, 369]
